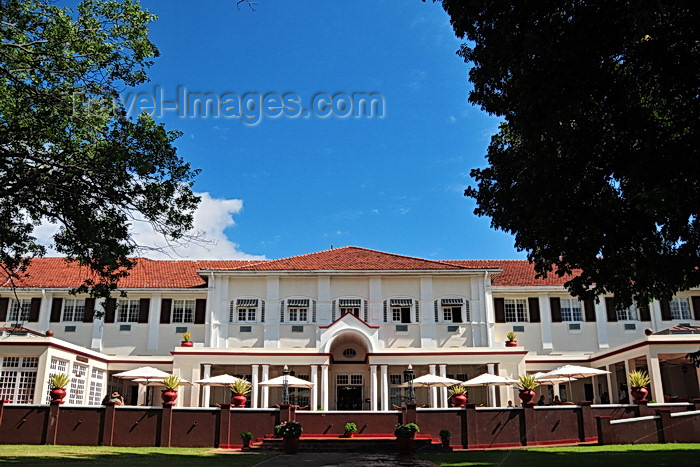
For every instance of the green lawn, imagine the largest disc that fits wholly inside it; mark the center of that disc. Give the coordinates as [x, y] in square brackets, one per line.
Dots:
[578, 456]
[108, 456]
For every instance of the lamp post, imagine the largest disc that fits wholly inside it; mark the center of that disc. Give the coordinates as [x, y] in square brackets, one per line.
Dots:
[285, 386]
[408, 375]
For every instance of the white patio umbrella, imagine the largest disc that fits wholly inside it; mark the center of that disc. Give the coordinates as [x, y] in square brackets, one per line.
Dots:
[292, 382]
[487, 379]
[144, 372]
[570, 372]
[432, 381]
[219, 380]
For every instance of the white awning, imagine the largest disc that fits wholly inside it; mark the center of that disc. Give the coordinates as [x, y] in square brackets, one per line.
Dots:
[247, 302]
[401, 302]
[298, 302]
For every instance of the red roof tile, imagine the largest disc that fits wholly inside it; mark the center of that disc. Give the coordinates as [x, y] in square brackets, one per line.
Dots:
[516, 273]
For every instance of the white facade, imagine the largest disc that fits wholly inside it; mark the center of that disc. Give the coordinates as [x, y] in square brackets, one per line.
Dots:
[351, 321]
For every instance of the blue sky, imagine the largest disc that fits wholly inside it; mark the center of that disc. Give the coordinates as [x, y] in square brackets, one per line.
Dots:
[294, 185]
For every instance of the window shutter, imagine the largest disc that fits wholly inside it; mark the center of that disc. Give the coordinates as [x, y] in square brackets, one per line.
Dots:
[333, 311]
[166, 306]
[144, 305]
[4, 303]
[533, 305]
[644, 312]
[386, 311]
[610, 309]
[695, 300]
[366, 306]
[499, 306]
[555, 306]
[467, 311]
[56, 304]
[200, 310]
[282, 311]
[262, 311]
[313, 311]
[435, 306]
[417, 303]
[110, 309]
[665, 310]
[34, 309]
[89, 314]
[589, 309]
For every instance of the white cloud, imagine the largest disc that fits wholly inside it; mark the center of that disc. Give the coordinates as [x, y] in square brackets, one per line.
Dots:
[212, 217]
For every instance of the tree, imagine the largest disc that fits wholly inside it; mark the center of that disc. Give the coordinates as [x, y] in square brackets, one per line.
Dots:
[595, 166]
[69, 153]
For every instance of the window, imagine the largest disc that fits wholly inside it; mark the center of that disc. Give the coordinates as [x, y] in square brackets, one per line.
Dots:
[298, 310]
[96, 385]
[349, 353]
[18, 379]
[452, 310]
[397, 394]
[56, 366]
[401, 310]
[680, 308]
[77, 384]
[350, 305]
[127, 311]
[516, 310]
[19, 310]
[630, 314]
[244, 309]
[183, 311]
[73, 310]
[571, 310]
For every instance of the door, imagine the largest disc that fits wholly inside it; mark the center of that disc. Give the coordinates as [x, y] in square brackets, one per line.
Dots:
[349, 398]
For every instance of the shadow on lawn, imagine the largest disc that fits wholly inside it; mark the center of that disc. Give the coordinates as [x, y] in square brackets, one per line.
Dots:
[515, 457]
[140, 459]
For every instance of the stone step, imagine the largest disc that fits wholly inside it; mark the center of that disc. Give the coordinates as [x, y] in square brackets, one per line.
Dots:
[348, 445]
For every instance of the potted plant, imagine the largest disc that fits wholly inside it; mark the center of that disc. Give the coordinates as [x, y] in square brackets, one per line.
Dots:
[186, 342]
[458, 394]
[445, 436]
[350, 429]
[58, 384]
[511, 342]
[290, 431]
[527, 385]
[169, 394]
[239, 389]
[638, 381]
[404, 437]
[246, 436]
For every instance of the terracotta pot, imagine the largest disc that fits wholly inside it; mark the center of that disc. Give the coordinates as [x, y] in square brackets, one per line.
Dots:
[527, 396]
[186, 344]
[246, 443]
[639, 394]
[349, 434]
[57, 395]
[290, 445]
[168, 396]
[239, 401]
[511, 343]
[49, 333]
[404, 444]
[459, 400]
[445, 442]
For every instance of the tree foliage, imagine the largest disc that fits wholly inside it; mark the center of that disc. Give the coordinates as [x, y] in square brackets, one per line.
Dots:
[595, 166]
[90, 170]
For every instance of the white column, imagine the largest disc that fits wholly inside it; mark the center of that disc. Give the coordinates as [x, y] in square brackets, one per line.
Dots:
[373, 387]
[546, 322]
[255, 397]
[143, 389]
[265, 390]
[601, 319]
[491, 368]
[154, 321]
[314, 388]
[45, 311]
[613, 385]
[206, 390]
[324, 387]
[433, 390]
[97, 325]
[443, 391]
[385, 387]
[657, 389]
[596, 393]
[488, 336]
[629, 366]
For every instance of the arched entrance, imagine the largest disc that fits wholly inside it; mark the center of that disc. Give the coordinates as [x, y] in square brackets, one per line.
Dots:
[349, 372]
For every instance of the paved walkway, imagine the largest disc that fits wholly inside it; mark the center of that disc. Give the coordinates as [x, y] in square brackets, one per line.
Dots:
[345, 459]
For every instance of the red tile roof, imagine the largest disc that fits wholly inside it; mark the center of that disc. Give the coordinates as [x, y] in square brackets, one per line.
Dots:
[183, 274]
